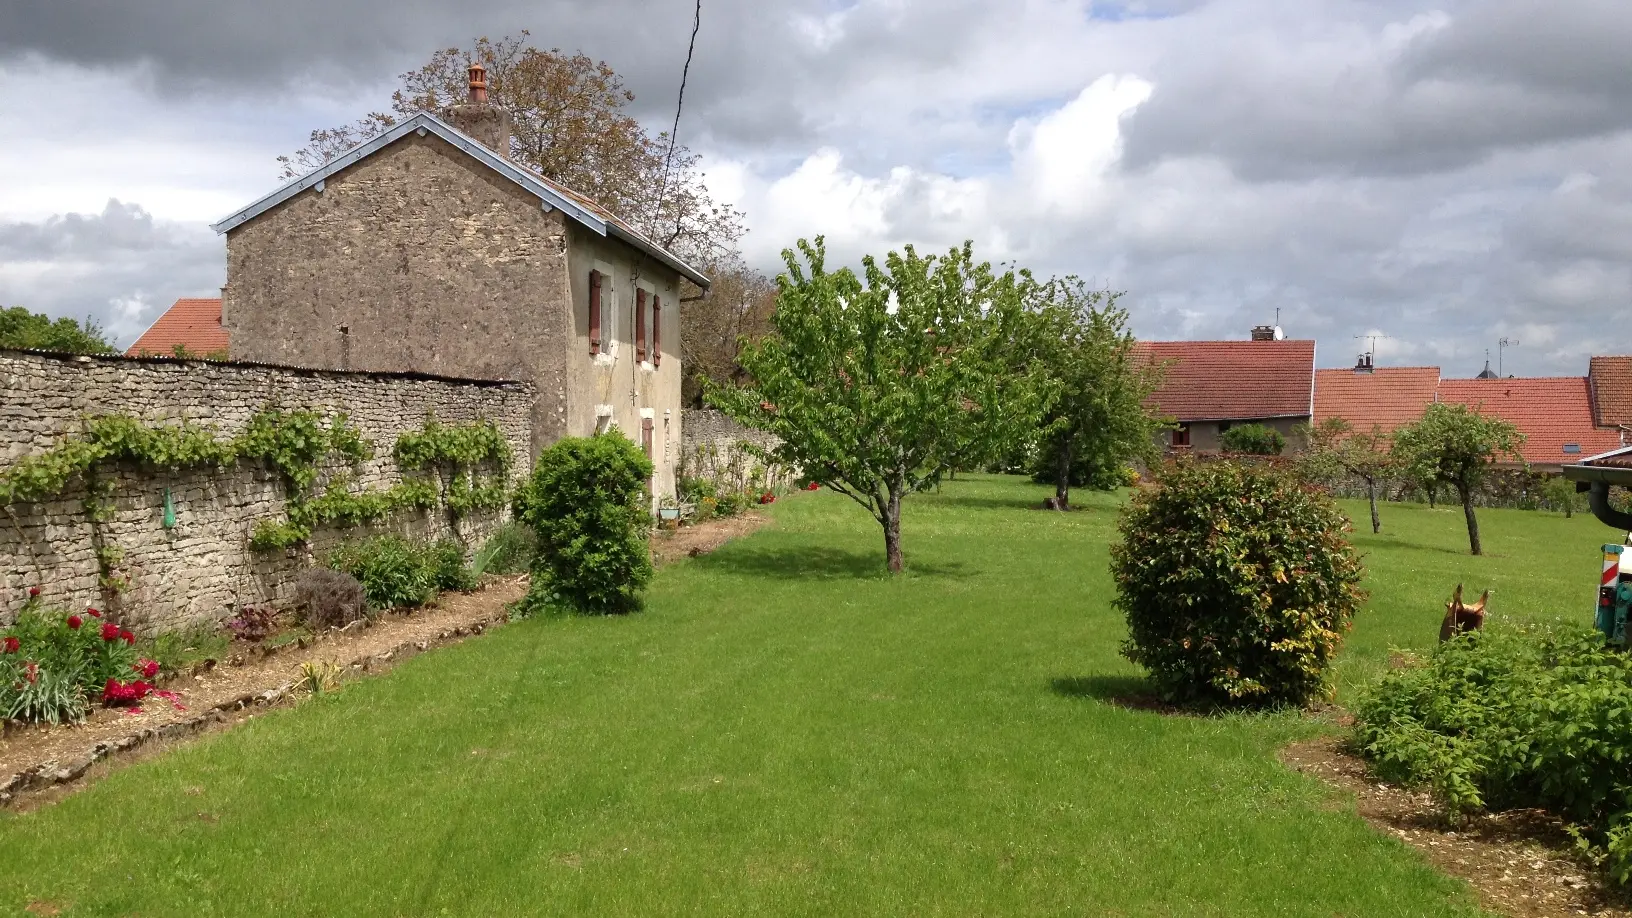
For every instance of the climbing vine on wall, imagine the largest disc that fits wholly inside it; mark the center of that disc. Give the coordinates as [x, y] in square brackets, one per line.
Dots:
[457, 453]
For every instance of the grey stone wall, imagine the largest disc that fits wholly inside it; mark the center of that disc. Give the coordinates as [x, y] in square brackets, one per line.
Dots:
[201, 569]
[712, 448]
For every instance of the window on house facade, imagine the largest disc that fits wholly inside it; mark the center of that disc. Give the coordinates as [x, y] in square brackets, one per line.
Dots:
[1179, 436]
[594, 312]
[640, 324]
[603, 315]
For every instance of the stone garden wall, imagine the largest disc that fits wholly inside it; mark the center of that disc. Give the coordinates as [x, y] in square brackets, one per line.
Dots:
[202, 568]
[712, 446]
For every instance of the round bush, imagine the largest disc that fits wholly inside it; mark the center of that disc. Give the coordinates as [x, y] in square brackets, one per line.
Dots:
[1237, 583]
[588, 504]
[1254, 439]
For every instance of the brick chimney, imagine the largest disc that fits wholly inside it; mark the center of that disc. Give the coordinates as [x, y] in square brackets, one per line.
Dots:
[486, 123]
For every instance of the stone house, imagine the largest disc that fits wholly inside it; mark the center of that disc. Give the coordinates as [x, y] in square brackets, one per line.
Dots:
[426, 249]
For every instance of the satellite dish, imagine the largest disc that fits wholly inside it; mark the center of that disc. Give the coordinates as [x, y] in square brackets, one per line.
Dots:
[1279, 335]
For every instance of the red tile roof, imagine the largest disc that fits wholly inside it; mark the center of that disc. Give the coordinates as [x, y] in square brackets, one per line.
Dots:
[1386, 397]
[1552, 412]
[1611, 379]
[192, 323]
[1234, 380]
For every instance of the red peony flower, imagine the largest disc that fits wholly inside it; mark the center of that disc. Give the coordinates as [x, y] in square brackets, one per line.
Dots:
[110, 631]
[33, 592]
[12, 644]
[93, 613]
[813, 486]
[33, 674]
[148, 668]
[75, 621]
[767, 498]
[127, 637]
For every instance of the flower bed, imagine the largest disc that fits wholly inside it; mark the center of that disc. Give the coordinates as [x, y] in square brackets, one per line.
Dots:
[53, 665]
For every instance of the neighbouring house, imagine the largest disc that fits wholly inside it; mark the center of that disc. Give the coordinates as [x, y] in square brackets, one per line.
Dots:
[426, 249]
[1374, 398]
[1610, 381]
[1555, 413]
[1211, 386]
[189, 326]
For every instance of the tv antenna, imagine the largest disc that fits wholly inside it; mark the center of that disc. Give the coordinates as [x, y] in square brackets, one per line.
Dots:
[1502, 345]
[1371, 342]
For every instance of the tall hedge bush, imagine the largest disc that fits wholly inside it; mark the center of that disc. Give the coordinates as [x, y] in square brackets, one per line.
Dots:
[588, 503]
[1238, 584]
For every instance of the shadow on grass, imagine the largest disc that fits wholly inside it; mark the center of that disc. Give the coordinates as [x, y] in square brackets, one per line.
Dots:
[820, 563]
[1383, 541]
[977, 502]
[1134, 693]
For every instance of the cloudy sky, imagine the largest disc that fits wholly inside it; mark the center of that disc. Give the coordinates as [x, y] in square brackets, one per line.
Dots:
[1443, 173]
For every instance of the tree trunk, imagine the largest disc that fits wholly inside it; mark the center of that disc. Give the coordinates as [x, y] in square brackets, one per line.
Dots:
[1473, 522]
[1062, 477]
[892, 532]
[1433, 492]
[1371, 495]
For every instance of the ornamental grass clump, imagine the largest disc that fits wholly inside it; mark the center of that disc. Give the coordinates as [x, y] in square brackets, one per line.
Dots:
[1515, 717]
[587, 502]
[1238, 584]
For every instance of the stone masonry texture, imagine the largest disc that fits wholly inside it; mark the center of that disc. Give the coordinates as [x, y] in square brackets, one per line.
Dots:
[203, 569]
[420, 258]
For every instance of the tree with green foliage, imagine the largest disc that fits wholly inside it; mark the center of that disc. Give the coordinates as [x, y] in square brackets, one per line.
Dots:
[20, 328]
[1335, 449]
[878, 385]
[1456, 445]
[1254, 440]
[587, 502]
[1561, 494]
[1099, 420]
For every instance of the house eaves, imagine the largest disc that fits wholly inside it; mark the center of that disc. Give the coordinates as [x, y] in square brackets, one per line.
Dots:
[423, 123]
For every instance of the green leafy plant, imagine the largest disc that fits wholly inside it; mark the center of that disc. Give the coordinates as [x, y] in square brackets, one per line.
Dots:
[457, 452]
[1254, 440]
[1514, 716]
[1560, 494]
[510, 550]
[452, 573]
[319, 676]
[587, 504]
[1237, 582]
[394, 572]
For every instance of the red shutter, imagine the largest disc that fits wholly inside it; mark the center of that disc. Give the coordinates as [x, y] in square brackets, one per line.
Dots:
[657, 330]
[594, 312]
[646, 436]
[640, 324]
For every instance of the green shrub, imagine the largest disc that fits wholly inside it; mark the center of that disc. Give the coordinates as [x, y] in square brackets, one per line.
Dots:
[394, 572]
[1253, 439]
[1514, 717]
[730, 504]
[1237, 583]
[452, 574]
[509, 551]
[587, 503]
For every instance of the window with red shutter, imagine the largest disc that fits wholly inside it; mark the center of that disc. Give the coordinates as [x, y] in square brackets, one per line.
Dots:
[640, 325]
[646, 436]
[657, 330]
[594, 312]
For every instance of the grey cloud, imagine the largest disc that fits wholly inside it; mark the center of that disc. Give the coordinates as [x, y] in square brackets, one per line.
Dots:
[120, 267]
[1372, 97]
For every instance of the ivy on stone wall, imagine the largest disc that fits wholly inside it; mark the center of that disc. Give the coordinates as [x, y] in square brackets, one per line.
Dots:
[458, 451]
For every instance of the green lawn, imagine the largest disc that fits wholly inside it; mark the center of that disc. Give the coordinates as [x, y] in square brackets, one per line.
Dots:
[787, 732]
